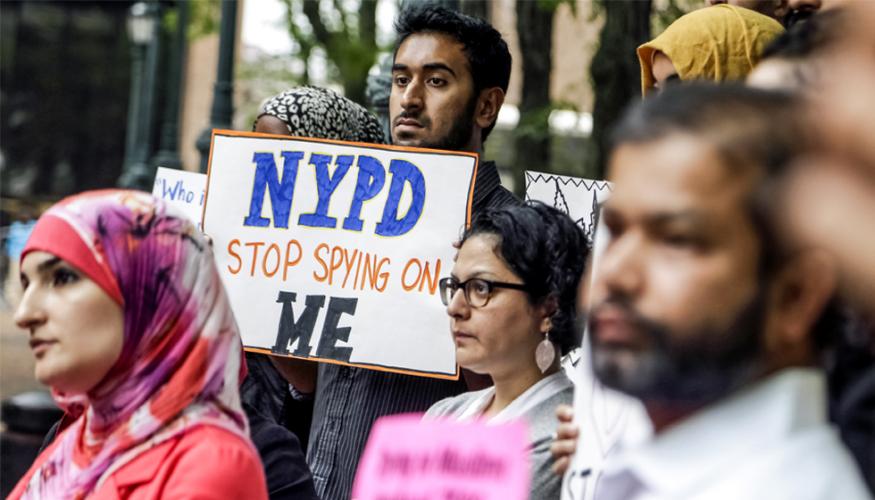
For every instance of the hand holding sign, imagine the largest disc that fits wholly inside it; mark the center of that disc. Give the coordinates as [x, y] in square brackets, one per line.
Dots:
[565, 443]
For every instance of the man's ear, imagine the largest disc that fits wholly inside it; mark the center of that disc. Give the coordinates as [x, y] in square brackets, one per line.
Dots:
[800, 293]
[488, 103]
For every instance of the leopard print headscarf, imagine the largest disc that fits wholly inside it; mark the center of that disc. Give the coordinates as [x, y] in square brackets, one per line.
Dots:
[325, 114]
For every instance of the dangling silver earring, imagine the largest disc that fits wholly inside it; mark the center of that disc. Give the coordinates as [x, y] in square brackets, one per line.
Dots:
[545, 353]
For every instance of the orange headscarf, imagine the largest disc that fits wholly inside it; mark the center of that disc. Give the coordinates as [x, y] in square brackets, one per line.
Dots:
[717, 43]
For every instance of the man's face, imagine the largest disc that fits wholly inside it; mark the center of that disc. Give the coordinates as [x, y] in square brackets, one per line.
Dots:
[677, 307]
[432, 102]
[664, 72]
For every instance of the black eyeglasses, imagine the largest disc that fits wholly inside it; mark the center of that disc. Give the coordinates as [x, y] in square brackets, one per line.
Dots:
[477, 290]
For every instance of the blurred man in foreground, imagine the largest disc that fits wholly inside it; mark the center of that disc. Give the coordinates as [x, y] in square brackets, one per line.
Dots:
[700, 312]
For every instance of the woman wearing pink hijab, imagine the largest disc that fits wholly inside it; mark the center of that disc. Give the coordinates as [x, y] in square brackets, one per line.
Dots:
[131, 328]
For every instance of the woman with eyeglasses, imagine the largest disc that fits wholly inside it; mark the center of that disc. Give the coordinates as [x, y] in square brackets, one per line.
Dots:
[511, 301]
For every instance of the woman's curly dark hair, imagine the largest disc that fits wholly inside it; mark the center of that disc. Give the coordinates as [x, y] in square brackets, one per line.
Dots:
[547, 251]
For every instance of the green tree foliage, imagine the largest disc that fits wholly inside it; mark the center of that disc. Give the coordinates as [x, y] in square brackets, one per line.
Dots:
[475, 8]
[666, 12]
[347, 35]
[203, 17]
[615, 72]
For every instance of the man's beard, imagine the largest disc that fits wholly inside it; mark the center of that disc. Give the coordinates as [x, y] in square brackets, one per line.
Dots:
[459, 136]
[692, 369]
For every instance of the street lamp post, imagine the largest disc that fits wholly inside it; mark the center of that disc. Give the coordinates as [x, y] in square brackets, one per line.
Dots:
[142, 27]
[220, 114]
[139, 34]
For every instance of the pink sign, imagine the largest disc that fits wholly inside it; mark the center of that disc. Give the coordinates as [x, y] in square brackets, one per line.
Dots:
[412, 459]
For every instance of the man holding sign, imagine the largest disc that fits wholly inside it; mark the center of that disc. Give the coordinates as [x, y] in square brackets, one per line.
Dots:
[450, 75]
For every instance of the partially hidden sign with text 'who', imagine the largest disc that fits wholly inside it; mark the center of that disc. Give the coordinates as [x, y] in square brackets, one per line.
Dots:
[183, 190]
[409, 458]
[332, 251]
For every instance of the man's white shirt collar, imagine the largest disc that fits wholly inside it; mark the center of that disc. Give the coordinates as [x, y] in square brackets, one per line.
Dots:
[706, 446]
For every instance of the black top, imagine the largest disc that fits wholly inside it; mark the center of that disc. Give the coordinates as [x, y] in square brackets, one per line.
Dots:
[488, 191]
[265, 390]
[285, 469]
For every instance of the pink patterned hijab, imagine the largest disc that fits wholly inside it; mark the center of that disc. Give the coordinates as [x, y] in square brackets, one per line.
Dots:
[181, 356]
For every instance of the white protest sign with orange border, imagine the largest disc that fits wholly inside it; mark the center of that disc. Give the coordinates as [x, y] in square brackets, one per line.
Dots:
[332, 251]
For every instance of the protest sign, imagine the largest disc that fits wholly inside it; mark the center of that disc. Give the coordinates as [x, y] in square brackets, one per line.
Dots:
[577, 197]
[332, 251]
[607, 419]
[409, 458]
[182, 189]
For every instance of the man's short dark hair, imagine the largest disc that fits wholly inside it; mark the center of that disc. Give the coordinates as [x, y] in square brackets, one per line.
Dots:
[548, 251]
[747, 126]
[752, 130]
[488, 57]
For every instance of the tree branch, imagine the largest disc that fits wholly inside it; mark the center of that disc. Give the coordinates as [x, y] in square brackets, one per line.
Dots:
[345, 28]
[305, 42]
[311, 10]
